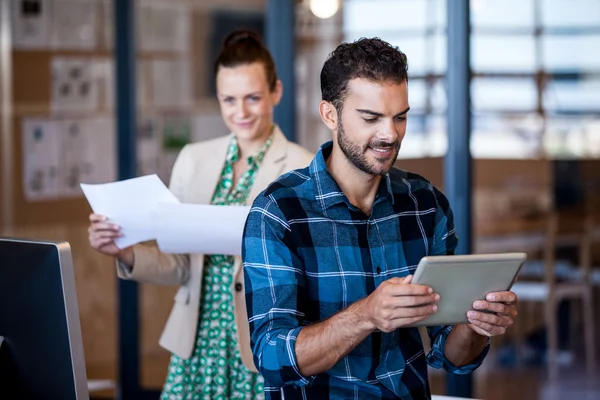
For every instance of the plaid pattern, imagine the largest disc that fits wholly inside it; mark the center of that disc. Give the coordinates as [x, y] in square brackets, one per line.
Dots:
[308, 254]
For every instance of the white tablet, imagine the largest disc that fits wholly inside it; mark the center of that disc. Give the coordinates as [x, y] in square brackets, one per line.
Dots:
[461, 280]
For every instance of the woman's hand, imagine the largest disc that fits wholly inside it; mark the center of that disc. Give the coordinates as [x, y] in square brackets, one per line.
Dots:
[102, 235]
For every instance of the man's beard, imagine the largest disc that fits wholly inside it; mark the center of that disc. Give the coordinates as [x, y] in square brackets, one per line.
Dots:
[357, 154]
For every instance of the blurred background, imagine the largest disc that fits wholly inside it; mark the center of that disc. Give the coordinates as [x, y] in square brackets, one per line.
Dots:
[534, 121]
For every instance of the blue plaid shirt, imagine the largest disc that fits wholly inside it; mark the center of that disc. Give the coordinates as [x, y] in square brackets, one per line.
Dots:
[308, 254]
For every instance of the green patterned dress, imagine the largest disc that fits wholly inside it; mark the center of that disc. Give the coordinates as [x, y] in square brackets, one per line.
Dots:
[215, 370]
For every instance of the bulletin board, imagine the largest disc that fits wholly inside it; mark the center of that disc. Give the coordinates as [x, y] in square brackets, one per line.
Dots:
[32, 87]
[63, 125]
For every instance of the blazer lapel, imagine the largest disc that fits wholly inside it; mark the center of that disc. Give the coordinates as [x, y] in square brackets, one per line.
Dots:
[209, 174]
[272, 165]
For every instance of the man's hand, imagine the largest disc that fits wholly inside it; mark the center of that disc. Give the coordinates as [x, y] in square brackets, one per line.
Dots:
[394, 304]
[492, 316]
[397, 303]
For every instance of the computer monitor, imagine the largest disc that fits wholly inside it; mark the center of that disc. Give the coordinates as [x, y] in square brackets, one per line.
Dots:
[41, 356]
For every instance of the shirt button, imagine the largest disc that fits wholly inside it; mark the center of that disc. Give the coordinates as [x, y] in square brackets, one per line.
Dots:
[378, 270]
[238, 287]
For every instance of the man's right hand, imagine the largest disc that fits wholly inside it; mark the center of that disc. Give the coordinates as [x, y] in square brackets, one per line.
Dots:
[397, 303]
[394, 304]
[102, 235]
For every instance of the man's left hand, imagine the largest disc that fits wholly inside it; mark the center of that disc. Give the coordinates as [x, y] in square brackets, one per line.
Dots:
[492, 316]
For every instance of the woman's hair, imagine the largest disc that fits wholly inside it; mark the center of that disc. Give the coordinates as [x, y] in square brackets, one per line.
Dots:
[242, 47]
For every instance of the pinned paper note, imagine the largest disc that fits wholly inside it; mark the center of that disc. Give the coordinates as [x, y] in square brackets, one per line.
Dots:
[60, 154]
[73, 85]
[30, 24]
[41, 159]
[74, 25]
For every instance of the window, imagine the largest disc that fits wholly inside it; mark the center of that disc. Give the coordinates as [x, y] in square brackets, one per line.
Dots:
[536, 73]
[417, 27]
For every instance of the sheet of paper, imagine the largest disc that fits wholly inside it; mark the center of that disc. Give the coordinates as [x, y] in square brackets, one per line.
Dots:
[107, 24]
[41, 159]
[164, 26]
[88, 153]
[30, 24]
[103, 78]
[132, 204]
[199, 228]
[74, 24]
[73, 85]
[74, 165]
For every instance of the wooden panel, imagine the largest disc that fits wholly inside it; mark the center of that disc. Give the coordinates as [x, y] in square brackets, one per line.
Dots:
[431, 169]
[487, 173]
[511, 189]
[503, 190]
[499, 174]
[31, 79]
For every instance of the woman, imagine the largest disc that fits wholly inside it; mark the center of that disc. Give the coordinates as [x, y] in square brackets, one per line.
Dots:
[207, 331]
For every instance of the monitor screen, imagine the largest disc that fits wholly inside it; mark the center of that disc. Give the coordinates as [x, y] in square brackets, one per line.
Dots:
[42, 354]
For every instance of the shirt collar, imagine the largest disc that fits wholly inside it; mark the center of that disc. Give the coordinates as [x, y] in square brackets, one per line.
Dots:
[327, 191]
[233, 153]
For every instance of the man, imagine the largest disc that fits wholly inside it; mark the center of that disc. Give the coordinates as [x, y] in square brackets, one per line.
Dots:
[329, 251]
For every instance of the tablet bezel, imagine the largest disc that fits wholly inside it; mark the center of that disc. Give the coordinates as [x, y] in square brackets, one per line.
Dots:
[467, 262]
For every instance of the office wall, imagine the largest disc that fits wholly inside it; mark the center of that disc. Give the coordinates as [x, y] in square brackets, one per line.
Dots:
[65, 217]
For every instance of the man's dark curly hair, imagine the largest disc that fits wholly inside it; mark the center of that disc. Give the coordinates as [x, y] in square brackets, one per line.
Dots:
[372, 59]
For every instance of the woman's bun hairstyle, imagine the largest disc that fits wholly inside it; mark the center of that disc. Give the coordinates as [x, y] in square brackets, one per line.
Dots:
[244, 46]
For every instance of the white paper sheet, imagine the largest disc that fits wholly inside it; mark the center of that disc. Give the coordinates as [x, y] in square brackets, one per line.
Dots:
[60, 154]
[30, 24]
[132, 204]
[164, 26]
[73, 85]
[42, 142]
[107, 24]
[88, 153]
[103, 78]
[74, 165]
[74, 24]
[199, 228]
